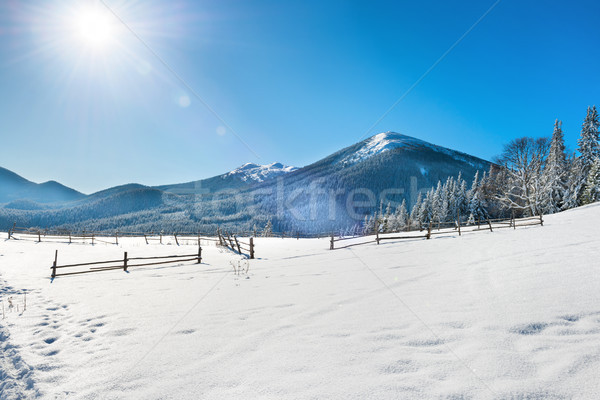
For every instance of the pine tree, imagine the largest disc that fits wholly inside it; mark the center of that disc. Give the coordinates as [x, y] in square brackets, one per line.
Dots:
[268, 230]
[436, 203]
[415, 211]
[385, 223]
[591, 192]
[402, 216]
[554, 176]
[575, 183]
[589, 148]
[477, 203]
[461, 196]
[425, 213]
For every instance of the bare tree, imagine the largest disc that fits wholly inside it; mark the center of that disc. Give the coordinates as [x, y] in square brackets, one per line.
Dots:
[519, 186]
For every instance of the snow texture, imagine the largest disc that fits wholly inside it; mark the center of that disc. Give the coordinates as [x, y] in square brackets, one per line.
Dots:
[260, 173]
[509, 314]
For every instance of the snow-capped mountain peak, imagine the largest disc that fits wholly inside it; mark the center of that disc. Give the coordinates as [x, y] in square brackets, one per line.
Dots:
[380, 143]
[260, 173]
[386, 141]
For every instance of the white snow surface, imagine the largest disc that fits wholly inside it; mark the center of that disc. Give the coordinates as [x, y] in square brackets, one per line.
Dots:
[260, 173]
[509, 314]
[386, 141]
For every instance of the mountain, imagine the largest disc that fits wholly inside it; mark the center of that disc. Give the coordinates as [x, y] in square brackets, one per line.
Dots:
[15, 188]
[239, 178]
[250, 172]
[334, 193]
[337, 191]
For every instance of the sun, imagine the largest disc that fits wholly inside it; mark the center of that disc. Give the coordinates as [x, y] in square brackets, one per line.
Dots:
[93, 27]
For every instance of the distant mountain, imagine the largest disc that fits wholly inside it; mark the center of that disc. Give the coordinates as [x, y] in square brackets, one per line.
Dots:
[250, 172]
[14, 187]
[334, 193]
[239, 178]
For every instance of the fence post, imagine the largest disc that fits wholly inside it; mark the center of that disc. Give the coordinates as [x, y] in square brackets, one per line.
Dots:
[377, 235]
[199, 253]
[331, 242]
[541, 220]
[490, 224]
[176, 241]
[92, 239]
[297, 235]
[514, 223]
[125, 262]
[237, 244]
[39, 236]
[252, 247]
[117, 238]
[429, 231]
[161, 238]
[54, 264]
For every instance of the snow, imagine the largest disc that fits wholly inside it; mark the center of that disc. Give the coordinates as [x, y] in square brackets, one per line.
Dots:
[386, 141]
[259, 173]
[488, 315]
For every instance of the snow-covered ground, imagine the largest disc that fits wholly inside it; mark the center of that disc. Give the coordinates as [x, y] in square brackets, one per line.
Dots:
[504, 314]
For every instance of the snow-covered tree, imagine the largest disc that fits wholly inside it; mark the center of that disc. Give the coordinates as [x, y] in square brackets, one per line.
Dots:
[591, 193]
[415, 211]
[425, 213]
[268, 229]
[399, 219]
[477, 202]
[589, 148]
[575, 183]
[554, 175]
[385, 219]
[523, 162]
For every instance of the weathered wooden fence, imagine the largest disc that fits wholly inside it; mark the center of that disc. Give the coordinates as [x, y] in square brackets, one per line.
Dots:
[237, 246]
[439, 229]
[123, 263]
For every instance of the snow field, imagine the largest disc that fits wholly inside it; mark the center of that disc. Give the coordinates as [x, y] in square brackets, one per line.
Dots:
[507, 314]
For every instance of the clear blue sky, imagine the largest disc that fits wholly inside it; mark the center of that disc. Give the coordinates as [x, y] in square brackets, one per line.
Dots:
[296, 80]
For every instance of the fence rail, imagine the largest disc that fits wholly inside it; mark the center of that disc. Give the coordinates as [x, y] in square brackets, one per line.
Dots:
[231, 242]
[123, 263]
[449, 228]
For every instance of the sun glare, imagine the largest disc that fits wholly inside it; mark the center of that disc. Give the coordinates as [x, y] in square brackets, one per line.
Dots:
[94, 27]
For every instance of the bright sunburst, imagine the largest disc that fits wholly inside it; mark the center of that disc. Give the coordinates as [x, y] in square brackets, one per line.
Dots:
[93, 27]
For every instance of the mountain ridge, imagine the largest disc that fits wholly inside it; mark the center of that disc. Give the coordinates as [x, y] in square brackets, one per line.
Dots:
[387, 168]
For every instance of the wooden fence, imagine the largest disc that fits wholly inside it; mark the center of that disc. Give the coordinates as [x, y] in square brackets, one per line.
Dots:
[440, 229]
[231, 242]
[123, 263]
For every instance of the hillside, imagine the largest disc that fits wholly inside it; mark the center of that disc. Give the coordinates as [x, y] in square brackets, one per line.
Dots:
[14, 187]
[489, 315]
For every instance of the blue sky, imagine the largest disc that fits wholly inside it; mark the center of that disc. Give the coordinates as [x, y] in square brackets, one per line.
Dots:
[296, 80]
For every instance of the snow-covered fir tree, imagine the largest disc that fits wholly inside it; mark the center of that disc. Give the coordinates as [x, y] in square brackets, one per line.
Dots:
[575, 183]
[415, 211]
[268, 229]
[589, 148]
[555, 173]
[591, 192]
